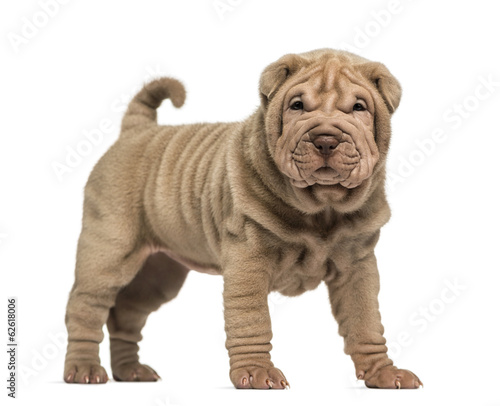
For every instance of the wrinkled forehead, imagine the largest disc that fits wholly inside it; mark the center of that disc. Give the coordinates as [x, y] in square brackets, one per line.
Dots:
[330, 82]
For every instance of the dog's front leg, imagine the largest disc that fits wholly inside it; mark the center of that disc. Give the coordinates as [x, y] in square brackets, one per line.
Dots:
[248, 324]
[353, 290]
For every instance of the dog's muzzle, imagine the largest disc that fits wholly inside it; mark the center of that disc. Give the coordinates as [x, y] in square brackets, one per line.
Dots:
[328, 151]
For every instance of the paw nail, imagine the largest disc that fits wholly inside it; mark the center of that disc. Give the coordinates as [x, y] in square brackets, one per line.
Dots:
[98, 380]
[87, 380]
[244, 381]
[269, 383]
[398, 384]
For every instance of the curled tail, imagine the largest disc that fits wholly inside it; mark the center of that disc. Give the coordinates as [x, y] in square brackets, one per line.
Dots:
[142, 108]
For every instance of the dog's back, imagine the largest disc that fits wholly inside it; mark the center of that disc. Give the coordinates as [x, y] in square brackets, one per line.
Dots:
[171, 179]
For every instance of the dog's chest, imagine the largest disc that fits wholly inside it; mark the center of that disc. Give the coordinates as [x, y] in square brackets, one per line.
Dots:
[301, 268]
[304, 258]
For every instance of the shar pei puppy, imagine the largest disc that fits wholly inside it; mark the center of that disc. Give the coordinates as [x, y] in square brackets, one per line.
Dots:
[290, 197]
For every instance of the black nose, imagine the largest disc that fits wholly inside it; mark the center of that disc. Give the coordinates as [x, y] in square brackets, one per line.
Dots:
[325, 144]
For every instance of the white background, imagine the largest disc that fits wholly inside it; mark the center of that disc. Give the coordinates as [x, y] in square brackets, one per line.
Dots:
[79, 68]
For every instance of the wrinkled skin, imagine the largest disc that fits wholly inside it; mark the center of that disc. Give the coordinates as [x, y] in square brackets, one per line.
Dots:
[328, 112]
[290, 198]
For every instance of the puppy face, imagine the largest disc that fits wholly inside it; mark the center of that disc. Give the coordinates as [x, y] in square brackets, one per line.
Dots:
[327, 117]
[327, 136]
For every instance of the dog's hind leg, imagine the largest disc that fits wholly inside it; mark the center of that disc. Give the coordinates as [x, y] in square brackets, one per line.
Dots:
[102, 270]
[112, 249]
[158, 282]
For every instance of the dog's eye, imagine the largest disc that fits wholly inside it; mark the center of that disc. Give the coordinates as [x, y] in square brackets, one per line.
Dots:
[298, 105]
[358, 107]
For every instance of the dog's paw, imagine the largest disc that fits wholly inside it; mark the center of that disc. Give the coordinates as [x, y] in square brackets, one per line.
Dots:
[391, 377]
[85, 372]
[259, 378]
[135, 372]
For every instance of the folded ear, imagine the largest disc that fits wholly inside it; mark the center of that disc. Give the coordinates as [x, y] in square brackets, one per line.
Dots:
[276, 74]
[386, 84]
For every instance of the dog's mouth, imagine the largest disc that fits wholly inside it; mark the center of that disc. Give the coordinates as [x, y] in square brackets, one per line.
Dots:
[325, 173]
[329, 162]
[329, 154]
[320, 170]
